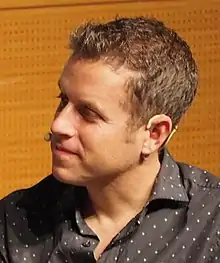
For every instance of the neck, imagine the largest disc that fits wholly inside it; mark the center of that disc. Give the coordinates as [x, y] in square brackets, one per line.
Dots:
[126, 195]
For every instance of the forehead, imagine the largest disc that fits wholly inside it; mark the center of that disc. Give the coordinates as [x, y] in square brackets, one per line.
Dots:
[89, 78]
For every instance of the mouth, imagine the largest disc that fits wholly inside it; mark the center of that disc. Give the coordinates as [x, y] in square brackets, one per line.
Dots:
[60, 150]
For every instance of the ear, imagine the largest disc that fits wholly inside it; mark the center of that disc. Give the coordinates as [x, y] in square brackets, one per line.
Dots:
[159, 128]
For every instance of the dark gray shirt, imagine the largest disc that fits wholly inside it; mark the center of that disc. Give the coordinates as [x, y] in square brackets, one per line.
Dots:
[181, 223]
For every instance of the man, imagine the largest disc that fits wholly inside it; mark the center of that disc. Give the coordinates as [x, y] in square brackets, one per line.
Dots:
[115, 193]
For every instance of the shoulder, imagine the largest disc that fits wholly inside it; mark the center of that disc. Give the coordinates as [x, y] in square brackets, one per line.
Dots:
[203, 189]
[40, 191]
[30, 216]
[39, 203]
[199, 178]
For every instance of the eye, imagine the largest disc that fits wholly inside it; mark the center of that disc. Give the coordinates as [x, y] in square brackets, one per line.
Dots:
[87, 113]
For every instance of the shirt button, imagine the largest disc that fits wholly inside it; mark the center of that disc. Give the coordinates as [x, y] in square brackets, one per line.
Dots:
[86, 244]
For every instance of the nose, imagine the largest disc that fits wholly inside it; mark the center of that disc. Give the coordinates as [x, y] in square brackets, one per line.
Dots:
[64, 123]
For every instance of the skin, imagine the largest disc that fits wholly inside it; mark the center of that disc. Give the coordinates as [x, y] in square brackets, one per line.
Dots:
[93, 147]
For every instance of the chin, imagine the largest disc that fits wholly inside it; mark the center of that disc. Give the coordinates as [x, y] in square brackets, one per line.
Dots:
[65, 176]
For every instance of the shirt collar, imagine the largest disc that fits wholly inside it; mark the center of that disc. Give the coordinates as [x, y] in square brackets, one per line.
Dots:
[169, 183]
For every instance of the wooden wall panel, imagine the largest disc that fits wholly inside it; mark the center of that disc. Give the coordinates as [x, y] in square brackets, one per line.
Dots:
[33, 49]
[26, 4]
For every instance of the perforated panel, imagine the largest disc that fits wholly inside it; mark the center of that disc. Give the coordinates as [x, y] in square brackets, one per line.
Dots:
[15, 4]
[33, 48]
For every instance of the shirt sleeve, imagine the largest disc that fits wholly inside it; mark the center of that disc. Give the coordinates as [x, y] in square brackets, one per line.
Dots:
[2, 233]
[215, 248]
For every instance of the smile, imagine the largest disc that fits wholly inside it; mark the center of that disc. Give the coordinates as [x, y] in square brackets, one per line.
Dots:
[62, 151]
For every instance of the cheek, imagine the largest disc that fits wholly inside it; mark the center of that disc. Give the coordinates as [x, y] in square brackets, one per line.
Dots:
[99, 136]
[90, 137]
[114, 143]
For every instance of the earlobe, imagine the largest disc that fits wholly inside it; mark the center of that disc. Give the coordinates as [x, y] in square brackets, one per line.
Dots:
[148, 147]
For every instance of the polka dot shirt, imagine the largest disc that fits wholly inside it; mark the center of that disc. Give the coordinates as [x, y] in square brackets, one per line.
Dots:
[180, 223]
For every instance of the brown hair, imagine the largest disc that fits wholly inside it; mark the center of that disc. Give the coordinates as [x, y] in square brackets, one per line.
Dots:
[165, 79]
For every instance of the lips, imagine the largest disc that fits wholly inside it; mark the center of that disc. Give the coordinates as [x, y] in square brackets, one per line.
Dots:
[63, 149]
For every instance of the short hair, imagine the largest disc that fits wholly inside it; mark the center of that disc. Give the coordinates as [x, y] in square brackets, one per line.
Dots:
[165, 73]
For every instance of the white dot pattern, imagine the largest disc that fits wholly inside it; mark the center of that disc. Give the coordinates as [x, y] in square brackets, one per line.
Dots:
[182, 214]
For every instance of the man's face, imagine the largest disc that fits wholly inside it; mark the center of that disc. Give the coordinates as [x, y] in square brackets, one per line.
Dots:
[91, 139]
